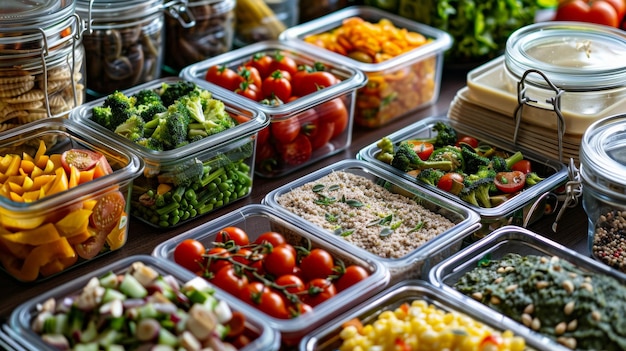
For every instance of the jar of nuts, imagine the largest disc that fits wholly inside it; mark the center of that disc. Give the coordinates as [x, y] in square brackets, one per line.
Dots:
[41, 61]
[603, 177]
[196, 31]
[123, 41]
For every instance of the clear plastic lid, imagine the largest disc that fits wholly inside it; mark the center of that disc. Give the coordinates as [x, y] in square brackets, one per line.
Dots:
[576, 56]
[603, 156]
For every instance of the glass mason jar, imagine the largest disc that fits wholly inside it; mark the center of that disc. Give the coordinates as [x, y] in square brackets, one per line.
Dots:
[196, 31]
[603, 177]
[579, 65]
[41, 61]
[123, 42]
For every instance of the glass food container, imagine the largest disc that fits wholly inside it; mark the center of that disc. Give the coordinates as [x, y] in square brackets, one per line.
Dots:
[41, 61]
[197, 31]
[573, 69]
[603, 176]
[123, 41]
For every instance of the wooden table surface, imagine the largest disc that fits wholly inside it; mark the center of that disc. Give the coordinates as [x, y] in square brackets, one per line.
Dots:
[142, 238]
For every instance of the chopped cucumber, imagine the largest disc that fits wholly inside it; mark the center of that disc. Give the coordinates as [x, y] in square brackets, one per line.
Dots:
[132, 287]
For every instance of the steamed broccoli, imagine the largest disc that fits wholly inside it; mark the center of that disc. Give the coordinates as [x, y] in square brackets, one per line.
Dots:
[103, 116]
[171, 129]
[131, 129]
[430, 176]
[406, 159]
[476, 191]
[449, 153]
[147, 97]
[121, 106]
[183, 173]
[473, 161]
[446, 135]
[171, 92]
[501, 164]
[150, 143]
[386, 150]
[214, 118]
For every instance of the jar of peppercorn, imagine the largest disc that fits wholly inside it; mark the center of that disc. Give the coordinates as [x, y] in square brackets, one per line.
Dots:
[41, 61]
[603, 178]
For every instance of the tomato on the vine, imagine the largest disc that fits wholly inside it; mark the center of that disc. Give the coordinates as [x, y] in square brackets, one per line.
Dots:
[352, 275]
[296, 152]
[223, 76]
[280, 260]
[597, 11]
[277, 85]
[318, 291]
[318, 263]
[230, 280]
[217, 259]
[291, 283]
[274, 238]
[236, 234]
[510, 182]
[188, 254]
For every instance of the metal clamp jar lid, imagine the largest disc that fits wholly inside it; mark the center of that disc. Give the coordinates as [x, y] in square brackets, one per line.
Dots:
[123, 42]
[40, 60]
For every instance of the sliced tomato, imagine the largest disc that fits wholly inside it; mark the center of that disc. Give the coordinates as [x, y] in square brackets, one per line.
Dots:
[296, 152]
[510, 182]
[471, 141]
[107, 211]
[82, 159]
[422, 149]
[523, 166]
[447, 181]
[89, 248]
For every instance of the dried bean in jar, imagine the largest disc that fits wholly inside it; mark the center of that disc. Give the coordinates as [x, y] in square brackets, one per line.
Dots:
[609, 241]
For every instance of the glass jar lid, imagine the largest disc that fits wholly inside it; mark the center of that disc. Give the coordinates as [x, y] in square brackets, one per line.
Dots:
[117, 10]
[576, 56]
[19, 15]
[603, 155]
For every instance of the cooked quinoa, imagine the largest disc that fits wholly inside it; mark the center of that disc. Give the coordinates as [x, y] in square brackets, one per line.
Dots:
[365, 214]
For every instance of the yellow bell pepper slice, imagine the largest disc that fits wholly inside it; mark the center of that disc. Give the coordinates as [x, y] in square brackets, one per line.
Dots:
[44, 234]
[40, 256]
[73, 223]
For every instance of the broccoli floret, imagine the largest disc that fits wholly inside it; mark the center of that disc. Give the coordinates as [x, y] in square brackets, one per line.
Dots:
[501, 164]
[122, 107]
[150, 143]
[476, 191]
[473, 161]
[430, 176]
[406, 159]
[147, 97]
[174, 91]
[533, 178]
[215, 119]
[449, 153]
[149, 111]
[183, 173]
[386, 150]
[102, 115]
[446, 135]
[131, 129]
[170, 128]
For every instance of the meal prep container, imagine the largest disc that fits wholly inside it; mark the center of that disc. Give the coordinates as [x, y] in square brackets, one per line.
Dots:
[271, 163]
[518, 209]
[256, 219]
[397, 86]
[602, 172]
[509, 239]
[237, 144]
[417, 262]
[21, 318]
[578, 65]
[328, 338]
[41, 236]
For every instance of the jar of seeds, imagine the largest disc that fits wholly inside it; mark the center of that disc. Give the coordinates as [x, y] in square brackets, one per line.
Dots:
[123, 41]
[196, 31]
[603, 177]
[41, 61]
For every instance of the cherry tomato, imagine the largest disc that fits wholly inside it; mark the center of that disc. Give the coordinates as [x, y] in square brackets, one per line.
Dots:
[471, 141]
[305, 83]
[510, 182]
[296, 152]
[274, 238]
[318, 263]
[446, 182]
[229, 280]
[273, 304]
[251, 294]
[318, 131]
[299, 309]
[82, 159]
[263, 135]
[216, 260]
[89, 248]
[523, 166]
[249, 90]
[188, 254]
[261, 62]
[620, 7]
[318, 291]
[243, 256]
[266, 157]
[277, 85]
[334, 111]
[422, 149]
[282, 62]
[285, 130]
[224, 77]
[236, 234]
[599, 11]
[352, 275]
[291, 283]
[107, 211]
[250, 74]
[280, 260]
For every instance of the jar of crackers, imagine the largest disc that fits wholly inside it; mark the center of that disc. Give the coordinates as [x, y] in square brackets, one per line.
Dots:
[123, 41]
[41, 61]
